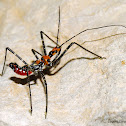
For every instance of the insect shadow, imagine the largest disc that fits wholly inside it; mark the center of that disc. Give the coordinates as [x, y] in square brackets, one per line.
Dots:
[42, 66]
[46, 71]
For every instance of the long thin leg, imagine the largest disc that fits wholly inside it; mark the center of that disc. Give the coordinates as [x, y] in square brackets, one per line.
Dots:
[69, 47]
[58, 27]
[46, 92]
[6, 57]
[27, 71]
[41, 33]
[28, 81]
[34, 52]
[49, 37]
[59, 69]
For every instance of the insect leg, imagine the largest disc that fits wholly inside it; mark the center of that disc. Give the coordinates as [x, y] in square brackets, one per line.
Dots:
[34, 52]
[41, 33]
[15, 55]
[46, 92]
[48, 37]
[69, 47]
[28, 81]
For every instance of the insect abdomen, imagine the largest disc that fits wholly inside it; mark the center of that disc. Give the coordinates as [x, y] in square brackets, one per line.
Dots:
[19, 70]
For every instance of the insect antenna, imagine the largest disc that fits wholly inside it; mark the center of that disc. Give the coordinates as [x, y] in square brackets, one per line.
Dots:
[90, 30]
[58, 27]
[96, 40]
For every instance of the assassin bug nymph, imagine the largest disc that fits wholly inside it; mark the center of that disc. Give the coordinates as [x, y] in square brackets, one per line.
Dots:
[38, 65]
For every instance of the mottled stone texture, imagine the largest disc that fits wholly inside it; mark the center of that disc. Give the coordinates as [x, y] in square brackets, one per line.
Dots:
[86, 92]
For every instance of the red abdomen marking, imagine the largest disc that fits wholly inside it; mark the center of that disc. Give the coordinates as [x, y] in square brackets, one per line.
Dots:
[19, 70]
[22, 72]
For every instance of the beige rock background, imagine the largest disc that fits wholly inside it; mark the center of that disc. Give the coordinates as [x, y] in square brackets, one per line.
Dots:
[85, 92]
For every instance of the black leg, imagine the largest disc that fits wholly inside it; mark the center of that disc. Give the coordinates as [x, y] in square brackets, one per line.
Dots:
[34, 52]
[27, 71]
[69, 47]
[28, 81]
[49, 37]
[46, 92]
[41, 33]
[6, 57]
[79, 58]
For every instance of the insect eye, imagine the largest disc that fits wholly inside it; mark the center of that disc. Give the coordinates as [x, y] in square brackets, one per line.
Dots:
[48, 60]
[11, 64]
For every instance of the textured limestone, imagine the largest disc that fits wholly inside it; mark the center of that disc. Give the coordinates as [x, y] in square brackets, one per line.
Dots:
[85, 92]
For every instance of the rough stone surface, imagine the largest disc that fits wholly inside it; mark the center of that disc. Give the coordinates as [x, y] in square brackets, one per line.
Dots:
[85, 92]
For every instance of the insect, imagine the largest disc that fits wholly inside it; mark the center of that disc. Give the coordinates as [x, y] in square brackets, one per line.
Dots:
[46, 60]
